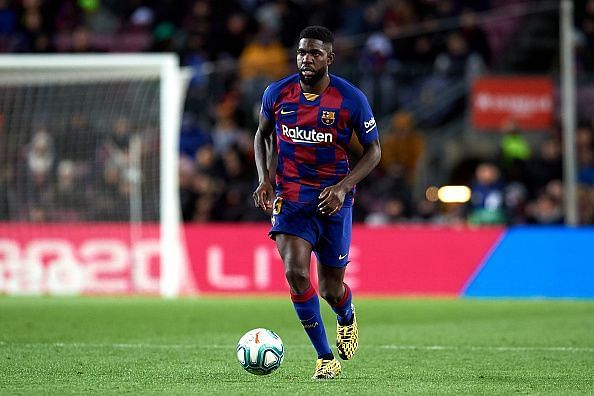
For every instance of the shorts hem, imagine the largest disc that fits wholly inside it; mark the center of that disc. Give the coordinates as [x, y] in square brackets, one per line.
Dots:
[273, 234]
[333, 266]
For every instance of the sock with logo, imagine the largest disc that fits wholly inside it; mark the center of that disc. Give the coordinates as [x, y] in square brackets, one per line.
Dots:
[307, 306]
[343, 309]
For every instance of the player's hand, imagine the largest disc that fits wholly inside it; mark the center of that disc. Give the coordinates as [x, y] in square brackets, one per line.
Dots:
[263, 196]
[331, 199]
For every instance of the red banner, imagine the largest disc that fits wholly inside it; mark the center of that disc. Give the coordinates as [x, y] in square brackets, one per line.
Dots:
[79, 259]
[227, 259]
[527, 100]
[390, 260]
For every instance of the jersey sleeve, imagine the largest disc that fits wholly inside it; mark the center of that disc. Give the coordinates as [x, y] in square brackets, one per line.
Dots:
[267, 109]
[362, 120]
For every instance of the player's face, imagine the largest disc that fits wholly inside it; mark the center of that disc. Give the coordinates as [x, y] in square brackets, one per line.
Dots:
[313, 59]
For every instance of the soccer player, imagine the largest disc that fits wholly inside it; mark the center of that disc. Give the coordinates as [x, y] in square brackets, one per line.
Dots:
[313, 114]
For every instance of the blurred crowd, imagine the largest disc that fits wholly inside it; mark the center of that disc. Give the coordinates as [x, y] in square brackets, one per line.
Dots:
[519, 183]
[403, 54]
[55, 178]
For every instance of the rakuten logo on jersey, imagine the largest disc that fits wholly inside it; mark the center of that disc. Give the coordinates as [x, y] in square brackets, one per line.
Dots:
[299, 135]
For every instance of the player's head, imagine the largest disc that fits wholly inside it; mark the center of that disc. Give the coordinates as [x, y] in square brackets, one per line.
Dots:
[314, 53]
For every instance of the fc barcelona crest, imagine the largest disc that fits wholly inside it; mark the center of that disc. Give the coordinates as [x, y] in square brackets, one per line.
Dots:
[328, 117]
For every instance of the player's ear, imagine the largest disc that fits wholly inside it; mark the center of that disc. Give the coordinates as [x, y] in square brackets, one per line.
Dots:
[330, 57]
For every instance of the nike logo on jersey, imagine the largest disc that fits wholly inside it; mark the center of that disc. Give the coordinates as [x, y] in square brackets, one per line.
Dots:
[342, 256]
[283, 111]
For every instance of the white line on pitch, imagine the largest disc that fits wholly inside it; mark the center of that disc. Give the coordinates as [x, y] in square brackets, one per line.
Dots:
[489, 348]
[386, 346]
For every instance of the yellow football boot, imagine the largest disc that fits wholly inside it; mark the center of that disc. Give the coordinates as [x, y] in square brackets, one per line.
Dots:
[347, 339]
[327, 369]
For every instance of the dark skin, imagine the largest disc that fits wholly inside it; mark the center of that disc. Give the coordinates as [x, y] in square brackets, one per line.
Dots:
[313, 59]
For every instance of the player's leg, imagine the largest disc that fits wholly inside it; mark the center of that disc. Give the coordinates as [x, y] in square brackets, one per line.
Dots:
[336, 292]
[339, 297]
[296, 255]
[333, 256]
[295, 231]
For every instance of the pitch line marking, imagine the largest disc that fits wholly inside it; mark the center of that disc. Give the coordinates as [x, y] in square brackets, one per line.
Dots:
[385, 346]
[489, 348]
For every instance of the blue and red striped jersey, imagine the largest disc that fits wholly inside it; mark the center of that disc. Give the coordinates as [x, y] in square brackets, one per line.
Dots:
[313, 133]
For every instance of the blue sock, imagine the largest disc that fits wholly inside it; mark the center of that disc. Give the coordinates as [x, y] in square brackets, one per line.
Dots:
[307, 307]
[343, 309]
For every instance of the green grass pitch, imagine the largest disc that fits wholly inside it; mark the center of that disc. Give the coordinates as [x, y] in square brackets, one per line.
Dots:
[59, 346]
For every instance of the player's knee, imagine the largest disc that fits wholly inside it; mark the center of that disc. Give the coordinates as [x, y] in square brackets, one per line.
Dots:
[298, 279]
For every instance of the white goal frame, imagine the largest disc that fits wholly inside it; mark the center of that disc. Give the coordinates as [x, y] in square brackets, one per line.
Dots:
[166, 67]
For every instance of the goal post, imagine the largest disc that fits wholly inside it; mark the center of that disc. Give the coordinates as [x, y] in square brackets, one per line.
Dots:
[143, 93]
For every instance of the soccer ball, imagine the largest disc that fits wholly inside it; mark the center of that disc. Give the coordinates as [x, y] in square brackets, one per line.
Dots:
[260, 351]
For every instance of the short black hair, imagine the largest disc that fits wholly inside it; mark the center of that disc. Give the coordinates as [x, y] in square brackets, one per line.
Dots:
[317, 33]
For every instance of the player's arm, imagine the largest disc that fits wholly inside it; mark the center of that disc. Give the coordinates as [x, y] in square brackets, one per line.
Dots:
[332, 197]
[264, 153]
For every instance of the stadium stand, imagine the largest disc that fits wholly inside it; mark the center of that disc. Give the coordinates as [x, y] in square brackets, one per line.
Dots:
[413, 59]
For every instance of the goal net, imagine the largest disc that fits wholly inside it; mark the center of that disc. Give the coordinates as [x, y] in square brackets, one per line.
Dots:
[88, 174]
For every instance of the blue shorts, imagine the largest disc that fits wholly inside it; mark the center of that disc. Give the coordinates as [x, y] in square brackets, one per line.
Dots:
[329, 236]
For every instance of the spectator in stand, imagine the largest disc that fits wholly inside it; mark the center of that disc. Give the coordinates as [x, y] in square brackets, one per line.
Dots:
[99, 19]
[198, 21]
[68, 16]
[398, 16]
[206, 160]
[389, 198]
[376, 80]
[238, 186]
[195, 55]
[38, 178]
[8, 21]
[585, 157]
[424, 55]
[164, 37]
[392, 210]
[547, 209]
[226, 131]
[264, 57]
[233, 42]
[262, 61]
[293, 16]
[475, 36]
[585, 137]
[403, 145]
[514, 151]
[68, 198]
[458, 60]
[192, 137]
[110, 200]
[32, 28]
[187, 195]
[77, 140]
[351, 17]
[141, 19]
[516, 198]
[555, 189]
[487, 205]
[585, 21]
[545, 167]
[586, 204]
[207, 184]
[82, 41]
[117, 144]
[7, 199]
